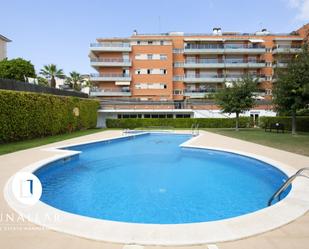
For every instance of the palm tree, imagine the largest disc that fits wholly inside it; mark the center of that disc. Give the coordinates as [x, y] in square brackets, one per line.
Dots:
[75, 80]
[51, 71]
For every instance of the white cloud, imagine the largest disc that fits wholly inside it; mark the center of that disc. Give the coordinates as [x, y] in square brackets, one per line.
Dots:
[303, 8]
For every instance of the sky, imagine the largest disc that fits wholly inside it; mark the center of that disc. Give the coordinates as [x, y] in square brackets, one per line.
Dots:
[60, 32]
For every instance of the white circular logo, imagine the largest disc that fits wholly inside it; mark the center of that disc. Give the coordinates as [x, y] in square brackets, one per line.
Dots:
[26, 188]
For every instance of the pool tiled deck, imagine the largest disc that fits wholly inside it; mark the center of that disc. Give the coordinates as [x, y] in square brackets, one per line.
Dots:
[294, 235]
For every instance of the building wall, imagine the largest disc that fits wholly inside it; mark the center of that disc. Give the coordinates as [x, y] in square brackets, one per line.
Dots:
[3, 53]
[172, 45]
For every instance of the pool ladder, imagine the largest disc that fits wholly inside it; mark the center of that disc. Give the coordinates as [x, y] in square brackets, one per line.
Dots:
[195, 129]
[286, 184]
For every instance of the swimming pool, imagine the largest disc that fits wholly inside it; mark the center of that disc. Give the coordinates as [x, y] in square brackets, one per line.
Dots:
[151, 179]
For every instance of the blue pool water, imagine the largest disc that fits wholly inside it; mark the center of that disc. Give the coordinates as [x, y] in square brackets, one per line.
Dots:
[150, 179]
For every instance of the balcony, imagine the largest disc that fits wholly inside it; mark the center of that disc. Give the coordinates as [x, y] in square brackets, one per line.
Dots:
[280, 64]
[110, 47]
[121, 92]
[110, 62]
[235, 77]
[110, 77]
[204, 63]
[204, 78]
[244, 49]
[220, 78]
[198, 93]
[281, 49]
[228, 63]
[223, 49]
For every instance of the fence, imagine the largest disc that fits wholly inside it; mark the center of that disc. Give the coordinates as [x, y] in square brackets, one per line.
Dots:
[7, 84]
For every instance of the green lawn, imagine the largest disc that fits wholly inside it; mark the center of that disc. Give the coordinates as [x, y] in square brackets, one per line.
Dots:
[22, 145]
[298, 143]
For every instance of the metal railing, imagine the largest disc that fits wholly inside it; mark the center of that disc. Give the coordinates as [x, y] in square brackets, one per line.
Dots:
[209, 61]
[225, 46]
[106, 90]
[286, 184]
[13, 85]
[101, 44]
[110, 75]
[109, 60]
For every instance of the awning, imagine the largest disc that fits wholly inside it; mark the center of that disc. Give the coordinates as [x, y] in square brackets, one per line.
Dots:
[122, 83]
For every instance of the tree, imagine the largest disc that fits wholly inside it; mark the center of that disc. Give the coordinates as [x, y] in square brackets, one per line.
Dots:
[75, 80]
[16, 69]
[42, 81]
[237, 97]
[52, 72]
[291, 91]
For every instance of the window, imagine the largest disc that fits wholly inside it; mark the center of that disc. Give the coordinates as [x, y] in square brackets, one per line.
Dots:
[150, 86]
[268, 50]
[148, 71]
[155, 116]
[146, 115]
[149, 56]
[163, 71]
[268, 91]
[138, 71]
[138, 42]
[177, 92]
[268, 64]
[163, 57]
[161, 43]
[169, 115]
[150, 42]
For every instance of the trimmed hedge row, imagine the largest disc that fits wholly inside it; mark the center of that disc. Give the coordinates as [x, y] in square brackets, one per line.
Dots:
[26, 115]
[133, 123]
[302, 123]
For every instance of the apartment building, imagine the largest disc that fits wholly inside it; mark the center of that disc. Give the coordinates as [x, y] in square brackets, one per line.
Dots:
[3, 46]
[180, 68]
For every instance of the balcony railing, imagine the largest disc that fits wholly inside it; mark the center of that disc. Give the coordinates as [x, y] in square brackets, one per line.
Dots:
[109, 62]
[110, 77]
[110, 47]
[101, 44]
[198, 93]
[215, 63]
[287, 49]
[223, 49]
[110, 92]
[219, 78]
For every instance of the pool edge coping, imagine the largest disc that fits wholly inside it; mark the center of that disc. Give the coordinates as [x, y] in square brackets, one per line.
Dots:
[293, 206]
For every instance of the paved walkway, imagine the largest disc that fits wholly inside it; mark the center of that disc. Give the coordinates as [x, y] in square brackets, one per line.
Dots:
[294, 235]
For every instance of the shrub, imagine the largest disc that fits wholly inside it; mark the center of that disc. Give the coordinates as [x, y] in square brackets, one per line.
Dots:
[302, 123]
[133, 123]
[26, 115]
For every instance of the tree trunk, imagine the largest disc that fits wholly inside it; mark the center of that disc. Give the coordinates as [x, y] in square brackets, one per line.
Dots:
[237, 121]
[53, 82]
[293, 122]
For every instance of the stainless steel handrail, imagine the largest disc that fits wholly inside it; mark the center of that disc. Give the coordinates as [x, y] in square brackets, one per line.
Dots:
[285, 185]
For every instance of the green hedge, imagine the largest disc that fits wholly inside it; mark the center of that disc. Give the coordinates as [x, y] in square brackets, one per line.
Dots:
[26, 115]
[302, 123]
[133, 123]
